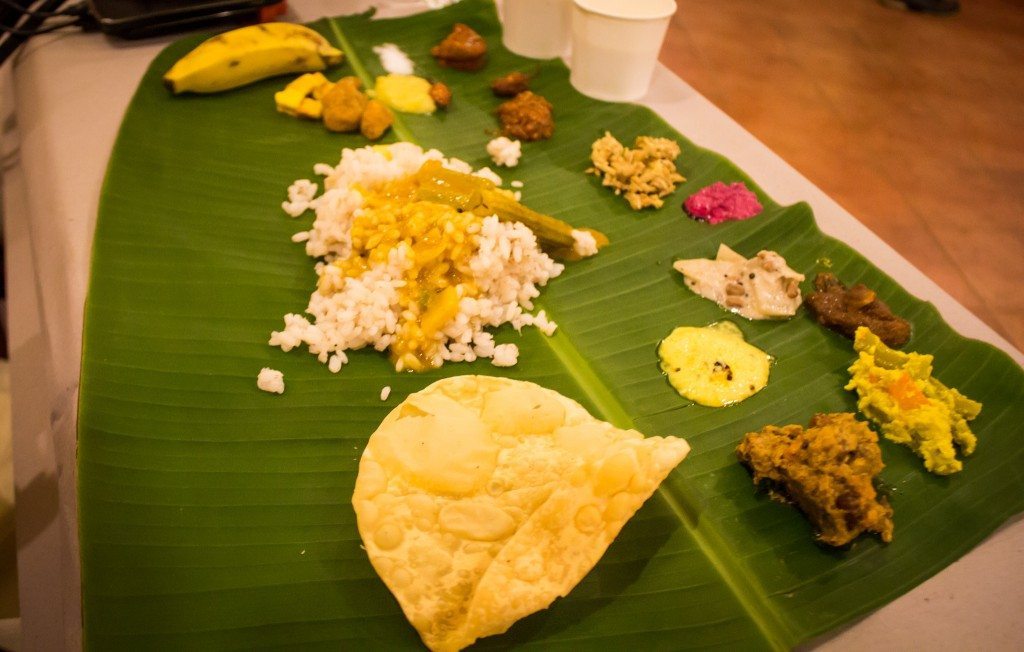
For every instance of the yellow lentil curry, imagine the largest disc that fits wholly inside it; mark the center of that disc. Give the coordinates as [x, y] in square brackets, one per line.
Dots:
[439, 239]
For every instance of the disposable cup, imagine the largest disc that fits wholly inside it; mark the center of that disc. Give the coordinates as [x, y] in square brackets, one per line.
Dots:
[536, 28]
[615, 45]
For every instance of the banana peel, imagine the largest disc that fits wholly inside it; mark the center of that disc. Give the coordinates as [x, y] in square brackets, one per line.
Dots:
[248, 54]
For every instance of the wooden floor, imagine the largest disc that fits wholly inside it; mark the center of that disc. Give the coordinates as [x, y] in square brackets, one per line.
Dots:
[914, 123]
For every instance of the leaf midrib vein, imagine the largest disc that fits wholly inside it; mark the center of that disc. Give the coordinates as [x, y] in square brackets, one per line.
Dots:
[748, 593]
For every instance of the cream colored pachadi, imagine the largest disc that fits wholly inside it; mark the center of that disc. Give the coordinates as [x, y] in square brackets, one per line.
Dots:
[713, 365]
[480, 500]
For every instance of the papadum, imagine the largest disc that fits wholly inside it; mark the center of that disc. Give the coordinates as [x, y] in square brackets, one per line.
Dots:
[480, 500]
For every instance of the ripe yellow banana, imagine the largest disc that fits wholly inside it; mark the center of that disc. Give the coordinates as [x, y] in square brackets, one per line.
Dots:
[248, 54]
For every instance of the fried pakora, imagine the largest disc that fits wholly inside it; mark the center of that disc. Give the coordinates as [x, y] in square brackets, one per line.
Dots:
[344, 104]
[462, 49]
[844, 309]
[527, 116]
[827, 470]
[377, 118]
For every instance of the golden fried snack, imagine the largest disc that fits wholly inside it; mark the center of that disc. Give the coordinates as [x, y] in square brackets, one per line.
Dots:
[344, 104]
[827, 471]
[481, 500]
[376, 119]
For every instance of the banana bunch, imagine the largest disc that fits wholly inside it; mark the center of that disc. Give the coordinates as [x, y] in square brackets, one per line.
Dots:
[248, 54]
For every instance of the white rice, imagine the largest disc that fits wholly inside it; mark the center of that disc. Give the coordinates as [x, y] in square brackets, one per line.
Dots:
[349, 313]
[489, 174]
[505, 355]
[336, 362]
[584, 243]
[393, 59]
[504, 151]
[543, 324]
[385, 392]
[270, 380]
[300, 194]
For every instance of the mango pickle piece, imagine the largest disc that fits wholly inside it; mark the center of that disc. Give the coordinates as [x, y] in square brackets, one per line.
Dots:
[425, 251]
[442, 309]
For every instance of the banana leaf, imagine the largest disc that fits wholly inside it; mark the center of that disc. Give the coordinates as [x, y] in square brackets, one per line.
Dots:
[213, 515]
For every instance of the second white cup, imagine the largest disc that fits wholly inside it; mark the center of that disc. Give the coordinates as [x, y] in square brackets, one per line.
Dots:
[615, 45]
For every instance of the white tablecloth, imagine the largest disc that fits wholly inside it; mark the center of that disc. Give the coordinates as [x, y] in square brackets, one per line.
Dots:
[63, 99]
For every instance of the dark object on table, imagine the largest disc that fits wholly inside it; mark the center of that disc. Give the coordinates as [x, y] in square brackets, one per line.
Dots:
[142, 18]
[511, 84]
[124, 18]
[844, 309]
[527, 117]
[940, 7]
[20, 20]
[827, 471]
[462, 49]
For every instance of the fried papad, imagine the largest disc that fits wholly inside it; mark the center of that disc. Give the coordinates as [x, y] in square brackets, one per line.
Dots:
[480, 500]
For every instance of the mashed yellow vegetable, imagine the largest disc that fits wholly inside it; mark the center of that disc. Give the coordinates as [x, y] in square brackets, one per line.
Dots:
[713, 365]
[897, 392]
[405, 93]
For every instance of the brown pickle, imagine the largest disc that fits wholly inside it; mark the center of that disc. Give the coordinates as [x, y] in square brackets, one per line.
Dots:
[527, 117]
[511, 84]
[462, 49]
[844, 309]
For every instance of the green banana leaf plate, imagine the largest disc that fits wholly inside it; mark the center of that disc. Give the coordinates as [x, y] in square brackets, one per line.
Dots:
[213, 515]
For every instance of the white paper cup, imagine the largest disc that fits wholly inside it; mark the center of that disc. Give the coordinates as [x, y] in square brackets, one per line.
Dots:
[615, 44]
[536, 28]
